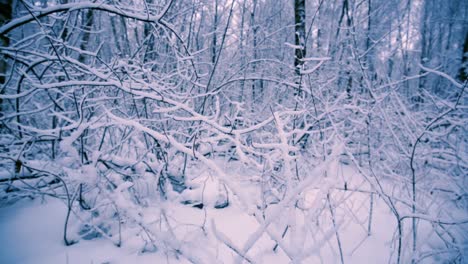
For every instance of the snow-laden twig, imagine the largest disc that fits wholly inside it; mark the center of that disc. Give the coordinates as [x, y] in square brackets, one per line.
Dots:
[223, 238]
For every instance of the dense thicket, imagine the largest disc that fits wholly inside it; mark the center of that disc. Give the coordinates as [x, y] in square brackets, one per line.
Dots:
[110, 104]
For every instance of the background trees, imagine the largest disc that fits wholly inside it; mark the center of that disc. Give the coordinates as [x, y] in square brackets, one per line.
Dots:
[116, 107]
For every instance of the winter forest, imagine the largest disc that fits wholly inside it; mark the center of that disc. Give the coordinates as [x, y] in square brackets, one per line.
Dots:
[233, 131]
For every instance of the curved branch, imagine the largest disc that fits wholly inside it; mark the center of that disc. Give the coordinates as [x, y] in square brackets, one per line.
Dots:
[40, 13]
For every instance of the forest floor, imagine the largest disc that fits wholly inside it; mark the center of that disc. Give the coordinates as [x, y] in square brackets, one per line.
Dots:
[31, 231]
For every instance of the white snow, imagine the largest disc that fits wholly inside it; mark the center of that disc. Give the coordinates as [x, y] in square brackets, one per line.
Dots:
[31, 232]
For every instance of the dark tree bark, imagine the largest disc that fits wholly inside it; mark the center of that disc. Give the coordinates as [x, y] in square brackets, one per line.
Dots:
[463, 75]
[5, 15]
[253, 25]
[299, 17]
[215, 28]
[88, 25]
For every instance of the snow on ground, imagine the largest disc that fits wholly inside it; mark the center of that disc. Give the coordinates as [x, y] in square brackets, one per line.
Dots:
[31, 231]
[40, 240]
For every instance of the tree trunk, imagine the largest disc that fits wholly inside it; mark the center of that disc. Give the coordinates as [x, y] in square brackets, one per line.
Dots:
[463, 75]
[5, 15]
[299, 18]
[215, 28]
[254, 43]
[242, 50]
